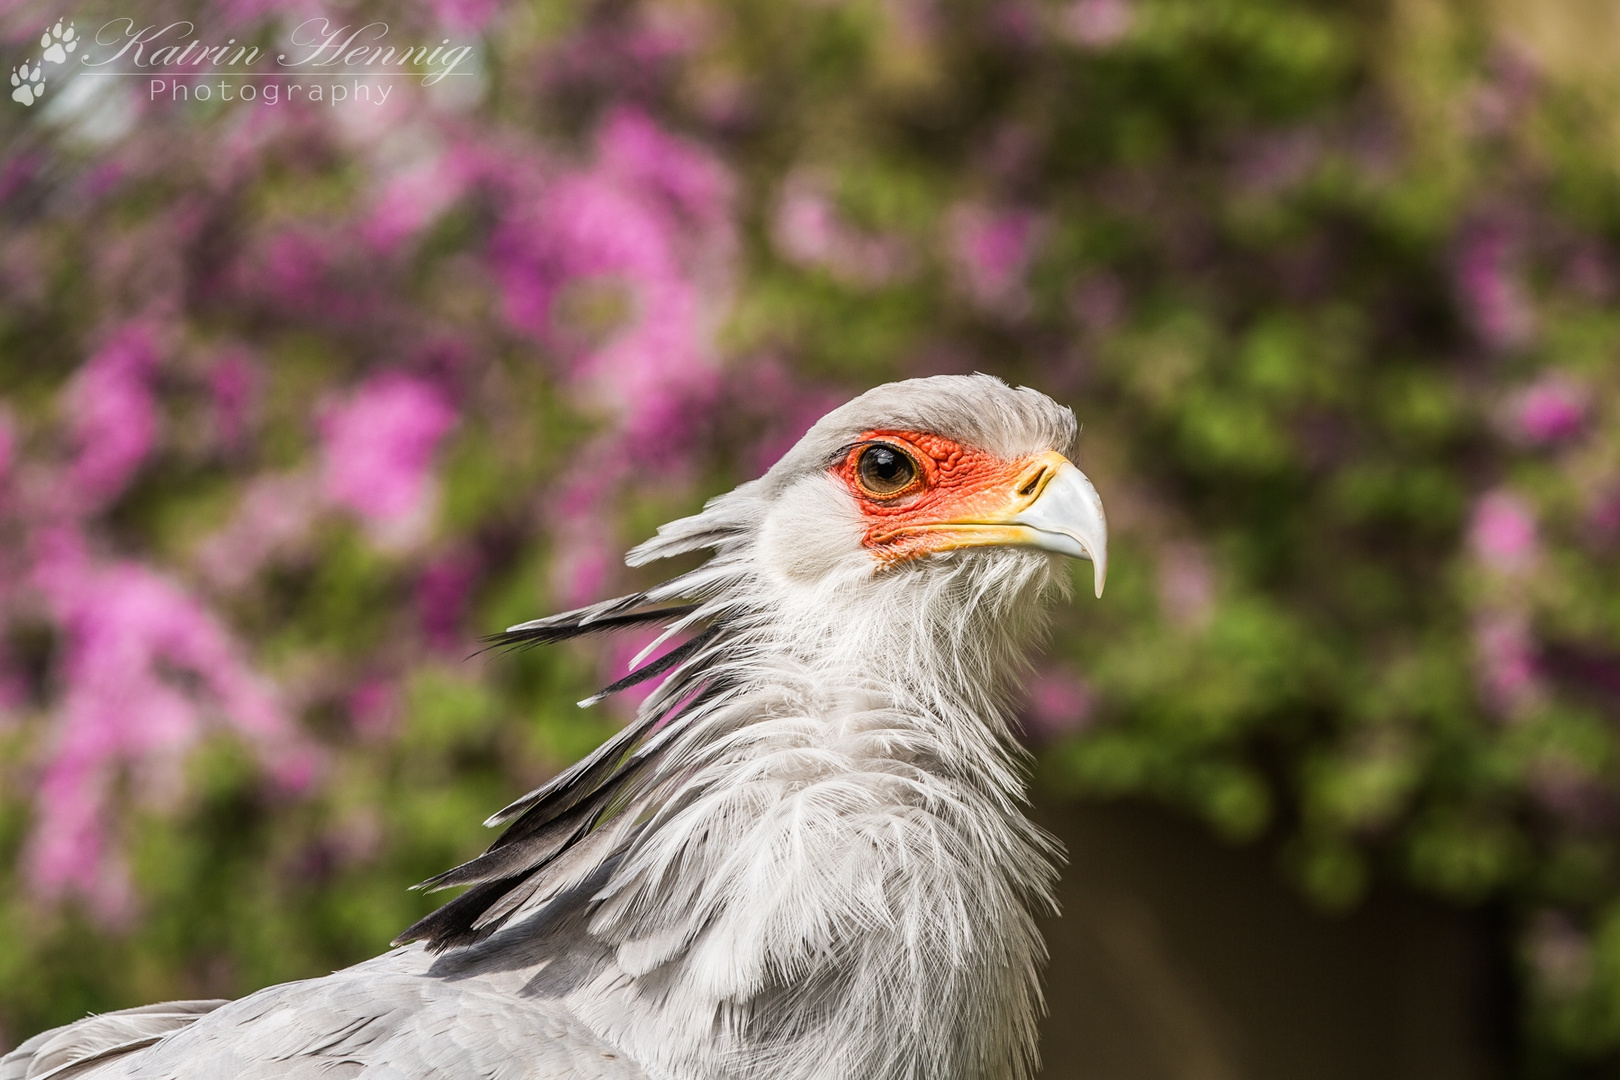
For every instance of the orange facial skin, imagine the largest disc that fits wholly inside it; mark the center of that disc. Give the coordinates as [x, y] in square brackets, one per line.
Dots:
[960, 498]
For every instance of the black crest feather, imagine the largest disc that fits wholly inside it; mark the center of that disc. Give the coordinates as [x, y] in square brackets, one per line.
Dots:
[547, 824]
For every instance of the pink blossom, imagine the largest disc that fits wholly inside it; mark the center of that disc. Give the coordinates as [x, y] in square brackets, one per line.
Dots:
[1016, 22]
[647, 216]
[1560, 953]
[1186, 584]
[144, 668]
[1096, 24]
[693, 182]
[990, 250]
[1503, 532]
[1506, 663]
[1493, 296]
[1564, 785]
[464, 16]
[1603, 514]
[309, 271]
[275, 513]
[295, 268]
[1098, 303]
[1060, 703]
[103, 178]
[442, 593]
[413, 198]
[1550, 411]
[247, 11]
[1272, 163]
[785, 407]
[584, 552]
[8, 445]
[232, 382]
[18, 172]
[809, 231]
[377, 447]
[374, 708]
[580, 571]
[1511, 88]
[112, 415]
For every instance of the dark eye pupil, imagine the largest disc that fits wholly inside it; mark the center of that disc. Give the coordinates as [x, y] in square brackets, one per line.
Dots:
[884, 470]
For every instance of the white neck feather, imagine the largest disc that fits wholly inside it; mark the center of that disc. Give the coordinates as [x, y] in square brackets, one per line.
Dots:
[838, 881]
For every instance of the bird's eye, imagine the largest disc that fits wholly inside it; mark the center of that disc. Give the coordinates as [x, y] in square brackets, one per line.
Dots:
[883, 470]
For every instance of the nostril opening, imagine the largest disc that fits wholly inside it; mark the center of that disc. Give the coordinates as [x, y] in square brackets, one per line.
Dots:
[1032, 483]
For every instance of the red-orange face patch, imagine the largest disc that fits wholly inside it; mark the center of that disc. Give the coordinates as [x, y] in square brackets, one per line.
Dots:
[954, 483]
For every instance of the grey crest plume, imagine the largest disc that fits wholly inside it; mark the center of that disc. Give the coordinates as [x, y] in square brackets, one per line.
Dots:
[805, 858]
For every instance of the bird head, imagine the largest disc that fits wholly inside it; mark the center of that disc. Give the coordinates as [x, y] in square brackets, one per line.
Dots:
[914, 471]
[930, 515]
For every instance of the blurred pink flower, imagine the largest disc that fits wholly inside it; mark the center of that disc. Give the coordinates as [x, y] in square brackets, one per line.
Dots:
[1096, 24]
[1268, 164]
[112, 415]
[464, 16]
[144, 668]
[232, 383]
[1506, 663]
[377, 448]
[580, 568]
[374, 708]
[584, 551]
[809, 231]
[310, 270]
[780, 405]
[1060, 703]
[1493, 297]
[651, 216]
[442, 592]
[1603, 514]
[238, 12]
[1560, 954]
[8, 445]
[275, 512]
[412, 199]
[692, 181]
[1503, 532]
[990, 251]
[1550, 411]
[1186, 584]
[1098, 303]
[18, 171]
[1565, 785]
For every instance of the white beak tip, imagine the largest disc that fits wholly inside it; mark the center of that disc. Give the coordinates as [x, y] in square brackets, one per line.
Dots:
[1068, 518]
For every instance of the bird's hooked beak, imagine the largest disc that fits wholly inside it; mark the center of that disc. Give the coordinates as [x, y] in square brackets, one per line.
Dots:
[1049, 505]
[1066, 516]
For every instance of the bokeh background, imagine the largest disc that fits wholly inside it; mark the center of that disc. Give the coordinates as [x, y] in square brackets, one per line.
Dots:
[298, 401]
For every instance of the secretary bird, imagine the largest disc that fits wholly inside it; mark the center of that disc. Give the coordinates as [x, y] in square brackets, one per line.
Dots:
[804, 860]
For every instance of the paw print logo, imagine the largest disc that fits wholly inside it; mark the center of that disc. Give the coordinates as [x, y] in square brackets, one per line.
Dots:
[58, 43]
[28, 83]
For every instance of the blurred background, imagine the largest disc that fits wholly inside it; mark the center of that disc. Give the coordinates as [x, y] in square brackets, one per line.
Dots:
[300, 398]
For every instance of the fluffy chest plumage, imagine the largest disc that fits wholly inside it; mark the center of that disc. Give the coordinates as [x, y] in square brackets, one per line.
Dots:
[820, 875]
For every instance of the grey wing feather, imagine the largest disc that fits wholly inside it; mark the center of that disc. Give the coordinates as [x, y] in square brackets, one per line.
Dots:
[374, 1021]
[65, 1051]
